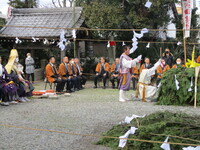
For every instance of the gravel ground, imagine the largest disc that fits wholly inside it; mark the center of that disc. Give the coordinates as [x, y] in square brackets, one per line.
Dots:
[90, 111]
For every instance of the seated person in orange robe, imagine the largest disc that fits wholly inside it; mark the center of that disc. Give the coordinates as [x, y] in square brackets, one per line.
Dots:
[52, 74]
[66, 74]
[82, 79]
[135, 73]
[102, 71]
[115, 73]
[146, 65]
[76, 82]
[198, 59]
[178, 63]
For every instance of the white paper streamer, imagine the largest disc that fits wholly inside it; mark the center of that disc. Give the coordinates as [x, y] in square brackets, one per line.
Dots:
[63, 40]
[123, 43]
[34, 39]
[122, 142]
[129, 119]
[148, 45]
[148, 4]
[74, 33]
[67, 43]
[45, 41]
[195, 89]
[159, 85]
[62, 36]
[144, 30]
[61, 46]
[137, 36]
[52, 42]
[108, 45]
[191, 148]
[191, 85]
[17, 40]
[165, 146]
[177, 83]
[179, 43]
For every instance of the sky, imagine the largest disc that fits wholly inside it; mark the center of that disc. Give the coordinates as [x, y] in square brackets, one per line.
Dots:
[4, 5]
[48, 3]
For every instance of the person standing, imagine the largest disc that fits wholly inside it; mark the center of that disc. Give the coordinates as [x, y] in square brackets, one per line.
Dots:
[126, 63]
[168, 56]
[29, 62]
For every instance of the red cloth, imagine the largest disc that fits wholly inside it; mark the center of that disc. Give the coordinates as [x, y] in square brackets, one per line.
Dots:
[112, 43]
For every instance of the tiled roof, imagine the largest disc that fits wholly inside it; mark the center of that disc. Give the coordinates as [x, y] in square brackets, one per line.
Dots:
[42, 17]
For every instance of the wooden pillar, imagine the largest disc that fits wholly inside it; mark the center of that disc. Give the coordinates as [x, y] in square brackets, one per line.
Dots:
[32, 53]
[111, 51]
[62, 54]
[184, 39]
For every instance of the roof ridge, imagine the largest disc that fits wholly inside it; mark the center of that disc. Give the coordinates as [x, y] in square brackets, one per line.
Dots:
[45, 10]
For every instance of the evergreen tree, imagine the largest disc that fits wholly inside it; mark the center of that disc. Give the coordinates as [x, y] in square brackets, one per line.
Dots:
[132, 14]
[23, 3]
[2, 22]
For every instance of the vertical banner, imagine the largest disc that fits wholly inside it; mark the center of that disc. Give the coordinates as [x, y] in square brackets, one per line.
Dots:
[187, 14]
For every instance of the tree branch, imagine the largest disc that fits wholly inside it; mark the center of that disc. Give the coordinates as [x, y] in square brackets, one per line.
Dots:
[59, 4]
[54, 3]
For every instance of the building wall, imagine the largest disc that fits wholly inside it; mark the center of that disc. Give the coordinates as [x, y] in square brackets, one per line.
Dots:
[96, 49]
[100, 49]
[171, 34]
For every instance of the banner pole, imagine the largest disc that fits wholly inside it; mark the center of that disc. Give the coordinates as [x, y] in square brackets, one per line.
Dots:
[185, 47]
[184, 39]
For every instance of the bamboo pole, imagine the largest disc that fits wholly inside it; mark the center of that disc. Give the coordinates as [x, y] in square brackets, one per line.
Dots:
[160, 52]
[74, 27]
[197, 69]
[185, 47]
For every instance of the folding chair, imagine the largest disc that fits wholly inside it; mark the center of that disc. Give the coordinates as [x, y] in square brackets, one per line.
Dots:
[51, 85]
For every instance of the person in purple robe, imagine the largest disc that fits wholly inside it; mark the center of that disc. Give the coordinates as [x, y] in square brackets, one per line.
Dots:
[15, 70]
[8, 90]
[126, 63]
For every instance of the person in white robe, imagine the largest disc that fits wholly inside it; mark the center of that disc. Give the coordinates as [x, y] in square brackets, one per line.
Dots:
[144, 88]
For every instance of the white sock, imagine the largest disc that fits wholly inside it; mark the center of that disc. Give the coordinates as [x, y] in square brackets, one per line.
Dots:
[121, 95]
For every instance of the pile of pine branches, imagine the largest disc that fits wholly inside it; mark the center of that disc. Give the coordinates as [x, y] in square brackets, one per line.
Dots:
[180, 128]
[168, 93]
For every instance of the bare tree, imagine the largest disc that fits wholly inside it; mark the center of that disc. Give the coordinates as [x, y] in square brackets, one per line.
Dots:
[62, 3]
[71, 2]
[53, 2]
